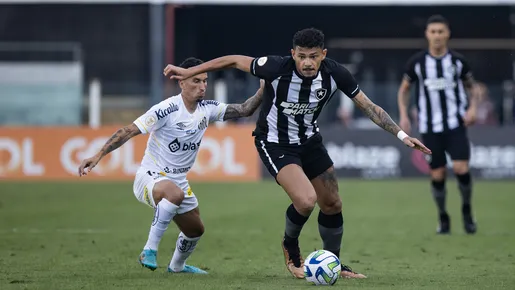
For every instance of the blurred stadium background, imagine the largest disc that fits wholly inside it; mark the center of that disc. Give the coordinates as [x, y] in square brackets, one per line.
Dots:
[72, 72]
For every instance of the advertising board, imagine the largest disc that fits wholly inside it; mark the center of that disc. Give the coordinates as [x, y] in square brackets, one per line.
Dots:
[225, 154]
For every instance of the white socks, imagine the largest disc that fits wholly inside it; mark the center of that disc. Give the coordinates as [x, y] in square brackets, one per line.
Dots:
[164, 213]
[183, 250]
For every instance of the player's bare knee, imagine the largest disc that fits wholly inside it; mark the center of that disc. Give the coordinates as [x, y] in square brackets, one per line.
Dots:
[438, 174]
[169, 191]
[332, 206]
[195, 232]
[305, 204]
[460, 168]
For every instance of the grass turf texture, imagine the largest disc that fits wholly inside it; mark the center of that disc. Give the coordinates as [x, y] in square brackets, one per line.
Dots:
[89, 235]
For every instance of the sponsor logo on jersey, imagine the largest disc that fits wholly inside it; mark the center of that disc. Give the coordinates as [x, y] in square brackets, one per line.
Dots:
[175, 146]
[163, 113]
[176, 170]
[439, 84]
[190, 146]
[191, 132]
[180, 170]
[294, 109]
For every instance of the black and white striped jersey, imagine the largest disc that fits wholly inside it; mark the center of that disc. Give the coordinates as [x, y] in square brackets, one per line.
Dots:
[441, 98]
[291, 102]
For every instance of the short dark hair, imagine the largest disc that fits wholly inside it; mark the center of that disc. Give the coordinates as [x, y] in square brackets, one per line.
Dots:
[309, 38]
[437, 19]
[190, 62]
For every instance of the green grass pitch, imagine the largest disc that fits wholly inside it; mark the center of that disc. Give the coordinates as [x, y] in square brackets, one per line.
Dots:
[89, 235]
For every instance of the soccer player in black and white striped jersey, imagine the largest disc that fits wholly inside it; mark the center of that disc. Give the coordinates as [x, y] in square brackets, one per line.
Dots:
[287, 137]
[442, 77]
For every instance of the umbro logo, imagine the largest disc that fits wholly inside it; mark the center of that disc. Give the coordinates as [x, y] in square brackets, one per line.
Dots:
[320, 93]
[181, 126]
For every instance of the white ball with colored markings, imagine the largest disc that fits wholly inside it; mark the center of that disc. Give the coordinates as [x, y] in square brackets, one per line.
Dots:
[322, 268]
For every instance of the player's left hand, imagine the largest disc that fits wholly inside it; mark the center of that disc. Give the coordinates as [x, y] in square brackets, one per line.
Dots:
[470, 117]
[416, 144]
[175, 72]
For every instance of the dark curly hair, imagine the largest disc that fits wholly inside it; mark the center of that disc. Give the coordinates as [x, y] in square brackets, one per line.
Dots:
[309, 38]
[190, 62]
[437, 19]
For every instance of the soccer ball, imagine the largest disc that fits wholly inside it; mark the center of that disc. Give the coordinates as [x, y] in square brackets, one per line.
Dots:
[322, 268]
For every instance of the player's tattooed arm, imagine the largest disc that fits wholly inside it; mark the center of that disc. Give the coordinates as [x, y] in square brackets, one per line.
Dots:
[383, 120]
[118, 139]
[247, 108]
[376, 113]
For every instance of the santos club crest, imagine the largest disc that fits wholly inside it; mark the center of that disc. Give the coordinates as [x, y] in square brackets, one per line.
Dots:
[320, 93]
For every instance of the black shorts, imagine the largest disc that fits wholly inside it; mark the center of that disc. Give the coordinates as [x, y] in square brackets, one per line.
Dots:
[311, 156]
[455, 142]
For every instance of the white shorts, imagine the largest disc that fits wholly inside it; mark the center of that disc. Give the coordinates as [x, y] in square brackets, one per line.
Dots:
[144, 184]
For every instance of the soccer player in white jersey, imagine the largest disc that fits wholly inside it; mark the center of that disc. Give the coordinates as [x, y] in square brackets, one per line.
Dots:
[176, 127]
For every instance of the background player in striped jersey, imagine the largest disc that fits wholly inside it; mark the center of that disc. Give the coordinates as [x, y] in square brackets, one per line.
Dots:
[176, 127]
[287, 136]
[442, 77]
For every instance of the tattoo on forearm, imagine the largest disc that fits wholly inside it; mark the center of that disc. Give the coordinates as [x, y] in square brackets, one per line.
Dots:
[233, 111]
[243, 110]
[329, 180]
[119, 138]
[251, 105]
[377, 115]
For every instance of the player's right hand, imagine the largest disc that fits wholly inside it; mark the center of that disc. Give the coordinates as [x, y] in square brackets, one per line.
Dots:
[416, 144]
[175, 72]
[405, 124]
[87, 165]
